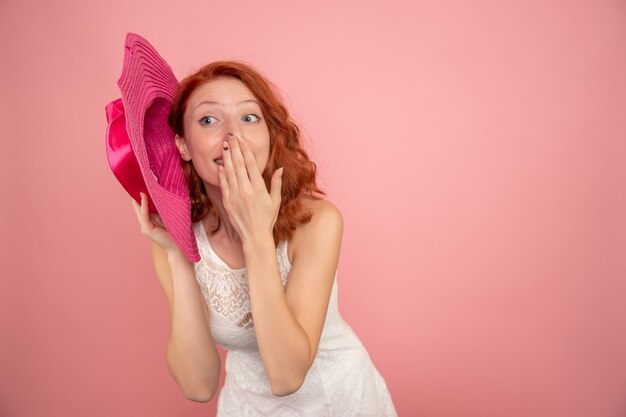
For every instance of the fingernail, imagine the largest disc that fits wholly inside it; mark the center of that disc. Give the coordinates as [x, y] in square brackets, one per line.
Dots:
[281, 171]
[225, 146]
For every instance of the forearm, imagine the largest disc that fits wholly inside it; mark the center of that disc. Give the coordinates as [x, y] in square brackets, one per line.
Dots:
[192, 357]
[283, 345]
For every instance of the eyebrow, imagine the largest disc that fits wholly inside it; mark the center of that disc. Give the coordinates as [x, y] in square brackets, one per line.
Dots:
[220, 104]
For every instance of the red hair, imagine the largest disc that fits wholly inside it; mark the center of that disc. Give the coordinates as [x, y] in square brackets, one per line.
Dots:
[299, 175]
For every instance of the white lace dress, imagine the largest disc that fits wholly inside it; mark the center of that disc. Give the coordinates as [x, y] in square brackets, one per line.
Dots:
[342, 381]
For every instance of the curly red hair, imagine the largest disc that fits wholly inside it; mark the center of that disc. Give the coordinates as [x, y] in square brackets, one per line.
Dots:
[299, 175]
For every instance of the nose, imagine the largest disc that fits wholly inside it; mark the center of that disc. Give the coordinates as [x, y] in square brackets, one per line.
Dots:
[231, 127]
[232, 134]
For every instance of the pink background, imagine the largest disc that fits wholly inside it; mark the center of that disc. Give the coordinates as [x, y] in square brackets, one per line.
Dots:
[476, 149]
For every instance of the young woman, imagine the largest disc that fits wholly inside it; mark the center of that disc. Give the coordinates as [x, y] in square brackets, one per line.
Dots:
[265, 288]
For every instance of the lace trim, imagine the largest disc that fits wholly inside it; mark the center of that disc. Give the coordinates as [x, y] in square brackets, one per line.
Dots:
[226, 290]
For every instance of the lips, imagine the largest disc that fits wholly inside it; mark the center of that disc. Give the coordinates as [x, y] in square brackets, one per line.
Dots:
[219, 161]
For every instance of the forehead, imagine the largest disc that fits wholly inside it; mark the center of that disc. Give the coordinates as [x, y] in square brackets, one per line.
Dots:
[226, 90]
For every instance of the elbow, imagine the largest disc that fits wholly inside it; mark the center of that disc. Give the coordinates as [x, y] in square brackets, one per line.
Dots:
[288, 383]
[200, 393]
[282, 390]
[200, 397]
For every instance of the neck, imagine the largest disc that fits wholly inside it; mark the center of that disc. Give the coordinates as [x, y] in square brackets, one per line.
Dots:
[226, 228]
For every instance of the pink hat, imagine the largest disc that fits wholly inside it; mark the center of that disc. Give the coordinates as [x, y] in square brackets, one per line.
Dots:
[140, 145]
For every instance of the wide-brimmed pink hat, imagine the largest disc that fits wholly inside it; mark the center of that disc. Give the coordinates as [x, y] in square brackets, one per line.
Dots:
[140, 145]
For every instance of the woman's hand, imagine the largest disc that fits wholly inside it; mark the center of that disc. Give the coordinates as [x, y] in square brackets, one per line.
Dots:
[251, 209]
[152, 225]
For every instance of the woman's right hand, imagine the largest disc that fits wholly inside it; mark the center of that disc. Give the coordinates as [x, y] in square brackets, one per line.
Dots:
[152, 225]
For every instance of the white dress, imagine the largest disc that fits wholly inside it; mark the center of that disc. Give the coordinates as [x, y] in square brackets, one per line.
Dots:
[342, 381]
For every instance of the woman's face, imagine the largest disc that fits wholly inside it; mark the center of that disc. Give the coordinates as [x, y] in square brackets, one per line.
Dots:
[215, 108]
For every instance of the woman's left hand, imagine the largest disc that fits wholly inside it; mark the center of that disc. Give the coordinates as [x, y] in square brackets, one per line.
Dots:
[251, 209]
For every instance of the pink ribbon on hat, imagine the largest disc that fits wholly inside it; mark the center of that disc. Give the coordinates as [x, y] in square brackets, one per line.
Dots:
[120, 154]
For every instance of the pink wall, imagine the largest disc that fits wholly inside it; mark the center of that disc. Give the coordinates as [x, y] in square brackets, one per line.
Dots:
[476, 149]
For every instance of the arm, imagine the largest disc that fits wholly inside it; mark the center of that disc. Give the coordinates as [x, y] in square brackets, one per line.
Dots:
[192, 357]
[289, 322]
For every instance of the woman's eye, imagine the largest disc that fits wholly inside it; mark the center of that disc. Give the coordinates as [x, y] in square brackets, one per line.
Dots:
[204, 118]
[247, 117]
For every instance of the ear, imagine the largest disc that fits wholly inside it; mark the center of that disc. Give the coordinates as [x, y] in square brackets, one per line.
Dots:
[181, 144]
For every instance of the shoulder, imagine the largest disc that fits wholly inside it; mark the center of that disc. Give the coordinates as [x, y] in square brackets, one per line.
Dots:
[324, 215]
[321, 207]
[326, 224]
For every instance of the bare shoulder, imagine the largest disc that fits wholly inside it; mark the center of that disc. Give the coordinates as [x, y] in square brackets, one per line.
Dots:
[317, 205]
[324, 214]
[326, 220]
